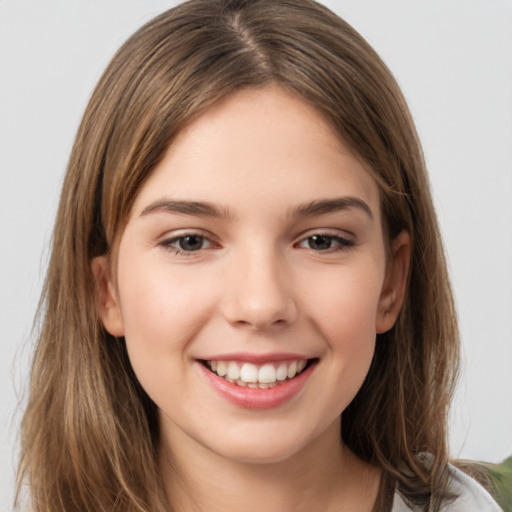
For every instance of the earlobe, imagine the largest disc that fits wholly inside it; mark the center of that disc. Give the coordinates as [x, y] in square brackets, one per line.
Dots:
[106, 297]
[395, 283]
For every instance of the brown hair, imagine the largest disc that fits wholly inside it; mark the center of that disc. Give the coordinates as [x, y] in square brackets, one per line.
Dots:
[89, 435]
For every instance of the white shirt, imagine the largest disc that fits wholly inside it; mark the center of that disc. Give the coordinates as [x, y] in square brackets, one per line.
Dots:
[472, 497]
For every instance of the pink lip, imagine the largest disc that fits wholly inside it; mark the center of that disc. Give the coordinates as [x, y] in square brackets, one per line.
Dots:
[245, 357]
[255, 398]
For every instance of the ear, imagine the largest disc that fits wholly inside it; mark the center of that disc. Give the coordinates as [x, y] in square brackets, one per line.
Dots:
[106, 297]
[395, 283]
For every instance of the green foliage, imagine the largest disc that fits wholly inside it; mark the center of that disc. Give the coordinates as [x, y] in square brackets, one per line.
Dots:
[501, 475]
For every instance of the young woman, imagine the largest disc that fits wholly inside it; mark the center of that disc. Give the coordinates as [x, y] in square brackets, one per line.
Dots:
[247, 303]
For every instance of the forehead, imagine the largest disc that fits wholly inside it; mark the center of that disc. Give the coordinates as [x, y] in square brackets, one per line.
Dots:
[258, 147]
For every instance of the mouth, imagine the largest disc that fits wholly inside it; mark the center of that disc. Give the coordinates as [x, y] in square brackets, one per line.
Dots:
[258, 376]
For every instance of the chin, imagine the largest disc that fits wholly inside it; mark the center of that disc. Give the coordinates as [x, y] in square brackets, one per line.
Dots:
[262, 448]
[261, 454]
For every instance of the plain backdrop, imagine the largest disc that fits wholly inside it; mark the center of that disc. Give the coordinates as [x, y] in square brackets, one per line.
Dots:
[453, 60]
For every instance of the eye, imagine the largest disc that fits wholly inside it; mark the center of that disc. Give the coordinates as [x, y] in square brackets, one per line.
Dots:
[187, 243]
[322, 242]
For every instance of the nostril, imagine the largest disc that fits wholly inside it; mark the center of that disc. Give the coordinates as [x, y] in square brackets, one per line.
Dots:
[256, 294]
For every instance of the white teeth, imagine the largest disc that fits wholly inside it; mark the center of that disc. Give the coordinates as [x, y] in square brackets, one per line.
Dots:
[233, 370]
[250, 375]
[221, 369]
[267, 374]
[249, 372]
[282, 371]
[292, 370]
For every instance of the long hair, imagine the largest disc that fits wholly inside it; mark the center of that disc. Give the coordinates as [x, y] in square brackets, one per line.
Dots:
[90, 434]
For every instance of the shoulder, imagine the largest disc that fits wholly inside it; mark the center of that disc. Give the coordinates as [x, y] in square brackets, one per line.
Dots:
[471, 496]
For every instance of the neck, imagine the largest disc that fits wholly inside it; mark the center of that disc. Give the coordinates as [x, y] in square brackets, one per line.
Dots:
[324, 476]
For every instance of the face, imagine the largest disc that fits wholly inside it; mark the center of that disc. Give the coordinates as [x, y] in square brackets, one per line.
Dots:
[252, 278]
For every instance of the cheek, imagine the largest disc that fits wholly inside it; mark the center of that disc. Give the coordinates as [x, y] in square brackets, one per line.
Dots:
[343, 307]
[344, 303]
[162, 311]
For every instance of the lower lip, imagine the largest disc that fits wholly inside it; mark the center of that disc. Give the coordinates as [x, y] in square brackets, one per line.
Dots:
[256, 398]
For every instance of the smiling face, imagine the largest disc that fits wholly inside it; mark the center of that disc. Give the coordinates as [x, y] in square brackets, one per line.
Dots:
[252, 278]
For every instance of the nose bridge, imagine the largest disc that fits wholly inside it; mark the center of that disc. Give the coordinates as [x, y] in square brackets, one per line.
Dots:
[258, 293]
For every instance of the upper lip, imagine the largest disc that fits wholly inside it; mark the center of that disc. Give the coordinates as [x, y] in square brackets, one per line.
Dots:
[247, 357]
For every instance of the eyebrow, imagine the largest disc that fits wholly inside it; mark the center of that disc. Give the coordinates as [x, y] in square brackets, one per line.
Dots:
[199, 208]
[324, 206]
[206, 209]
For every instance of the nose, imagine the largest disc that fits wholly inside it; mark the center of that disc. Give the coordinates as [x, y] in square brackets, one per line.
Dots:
[258, 292]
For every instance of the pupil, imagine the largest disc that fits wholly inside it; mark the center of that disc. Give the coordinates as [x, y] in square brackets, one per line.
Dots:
[320, 242]
[190, 243]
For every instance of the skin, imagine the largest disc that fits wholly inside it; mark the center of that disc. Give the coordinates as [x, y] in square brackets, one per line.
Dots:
[256, 283]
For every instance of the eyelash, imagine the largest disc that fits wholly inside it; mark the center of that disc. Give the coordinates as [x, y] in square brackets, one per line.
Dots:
[343, 244]
[168, 244]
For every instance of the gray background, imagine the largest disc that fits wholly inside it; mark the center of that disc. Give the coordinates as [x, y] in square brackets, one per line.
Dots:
[454, 61]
